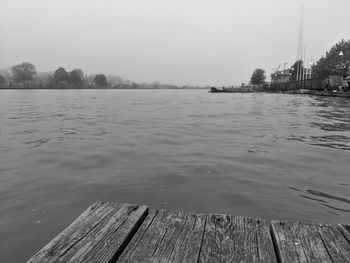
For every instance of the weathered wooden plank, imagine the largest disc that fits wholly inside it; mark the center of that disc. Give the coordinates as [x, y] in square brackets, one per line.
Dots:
[166, 237]
[236, 239]
[210, 247]
[65, 239]
[138, 237]
[304, 242]
[155, 237]
[266, 251]
[345, 230]
[188, 245]
[337, 246]
[309, 240]
[119, 232]
[151, 238]
[286, 244]
[98, 235]
[174, 228]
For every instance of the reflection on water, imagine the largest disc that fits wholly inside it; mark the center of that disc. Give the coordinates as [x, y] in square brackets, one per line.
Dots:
[325, 195]
[332, 116]
[324, 201]
[258, 155]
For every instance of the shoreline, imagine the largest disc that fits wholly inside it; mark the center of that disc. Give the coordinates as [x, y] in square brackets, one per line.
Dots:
[96, 88]
[301, 91]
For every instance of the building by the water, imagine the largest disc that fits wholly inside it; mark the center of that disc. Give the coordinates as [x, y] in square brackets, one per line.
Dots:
[282, 76]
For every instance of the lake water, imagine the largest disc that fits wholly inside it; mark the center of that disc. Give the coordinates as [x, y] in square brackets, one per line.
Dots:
[272, 156]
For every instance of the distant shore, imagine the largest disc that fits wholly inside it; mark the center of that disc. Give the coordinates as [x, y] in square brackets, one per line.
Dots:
[100, 88]
[300, 91]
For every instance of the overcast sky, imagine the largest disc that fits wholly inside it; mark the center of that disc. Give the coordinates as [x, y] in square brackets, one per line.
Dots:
[196, 42]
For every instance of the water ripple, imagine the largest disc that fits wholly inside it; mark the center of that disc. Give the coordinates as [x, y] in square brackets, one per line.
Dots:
[177, 149]
[37, 143]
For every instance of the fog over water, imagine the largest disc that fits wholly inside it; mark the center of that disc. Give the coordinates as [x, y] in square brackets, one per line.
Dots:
[261, 155]
[194, 42]
[271, 156]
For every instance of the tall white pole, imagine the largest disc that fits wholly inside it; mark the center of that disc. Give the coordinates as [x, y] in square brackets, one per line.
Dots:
[303, 68]
[300, 42]
[297, 70]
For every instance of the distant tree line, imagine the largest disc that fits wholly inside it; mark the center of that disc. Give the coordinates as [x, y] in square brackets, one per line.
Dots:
[24, 75]
[62, 78]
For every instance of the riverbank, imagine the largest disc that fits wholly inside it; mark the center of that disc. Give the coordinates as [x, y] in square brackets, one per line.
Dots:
[317, 92]
[299, 91]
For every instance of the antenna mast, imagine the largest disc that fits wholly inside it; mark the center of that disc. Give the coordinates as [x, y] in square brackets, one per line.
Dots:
[300, 51]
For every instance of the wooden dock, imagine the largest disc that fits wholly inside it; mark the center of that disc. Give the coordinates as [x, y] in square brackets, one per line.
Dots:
[115, 232]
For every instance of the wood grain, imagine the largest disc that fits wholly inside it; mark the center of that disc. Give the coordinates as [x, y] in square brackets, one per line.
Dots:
[98, 235]
[166, 236]
[305, 242]
[236, 239]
